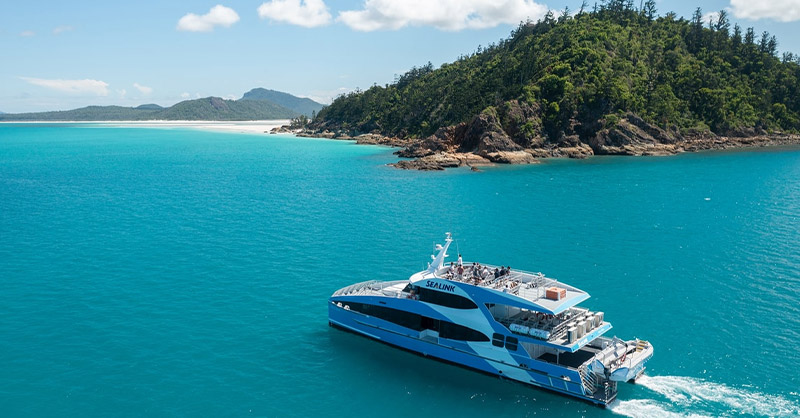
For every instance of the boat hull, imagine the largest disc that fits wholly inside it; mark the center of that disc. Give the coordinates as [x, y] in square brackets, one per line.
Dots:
[533, 373]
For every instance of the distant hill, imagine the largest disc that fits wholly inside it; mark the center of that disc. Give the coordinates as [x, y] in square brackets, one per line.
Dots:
[209, 108]
[84, 114]
[300, 105]
[149, 106]
[215, 108]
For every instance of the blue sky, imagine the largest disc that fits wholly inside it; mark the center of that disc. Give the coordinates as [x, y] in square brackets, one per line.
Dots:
[60, 55]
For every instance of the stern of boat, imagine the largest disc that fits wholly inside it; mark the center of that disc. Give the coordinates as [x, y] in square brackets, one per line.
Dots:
[631, 364]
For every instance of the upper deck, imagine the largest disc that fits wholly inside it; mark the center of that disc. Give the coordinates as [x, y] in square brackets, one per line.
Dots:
[529, 304]
[529, 288]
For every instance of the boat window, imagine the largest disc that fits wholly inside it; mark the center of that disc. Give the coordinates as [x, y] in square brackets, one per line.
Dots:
[497, 340]
[430, 323]
[457, 332]
[417, 322]
[511, 343]
[445, 299]
[402, 318]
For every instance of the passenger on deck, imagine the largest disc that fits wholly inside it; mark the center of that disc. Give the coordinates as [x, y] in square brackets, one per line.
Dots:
[460, 272]
[496, 273]
[413, 295]
[484, 273]
[460, 261]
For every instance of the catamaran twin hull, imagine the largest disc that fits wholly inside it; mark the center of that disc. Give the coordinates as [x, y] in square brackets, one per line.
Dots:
[517, 325]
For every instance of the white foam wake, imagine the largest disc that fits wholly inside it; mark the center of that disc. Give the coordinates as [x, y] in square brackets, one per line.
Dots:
[648, 408]
[700, 396]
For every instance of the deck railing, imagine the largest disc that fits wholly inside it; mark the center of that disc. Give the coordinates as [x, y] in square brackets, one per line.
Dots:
[518, 279]
[355, 288]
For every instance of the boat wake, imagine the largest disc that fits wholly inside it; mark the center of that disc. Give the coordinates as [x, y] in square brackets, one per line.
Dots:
[692, 397]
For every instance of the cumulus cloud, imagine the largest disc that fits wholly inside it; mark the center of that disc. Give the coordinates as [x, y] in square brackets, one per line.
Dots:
[780, 10]
[712, 17]
[143, 89]
[219, 15]
[307, 13]
[87, 86]
[185, 95]
[61, 29]
[449, 15]
[27, 33]
[327, 96]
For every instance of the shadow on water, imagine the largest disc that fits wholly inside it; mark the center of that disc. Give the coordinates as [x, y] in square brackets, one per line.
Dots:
[421, 380]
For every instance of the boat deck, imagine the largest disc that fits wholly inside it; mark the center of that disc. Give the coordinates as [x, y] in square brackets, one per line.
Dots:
[571, 360]
[527, 285]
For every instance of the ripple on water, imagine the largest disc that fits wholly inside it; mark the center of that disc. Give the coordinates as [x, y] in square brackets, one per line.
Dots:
[171, 272]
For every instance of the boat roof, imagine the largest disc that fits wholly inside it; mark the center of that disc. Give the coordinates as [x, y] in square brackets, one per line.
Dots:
[520, 288]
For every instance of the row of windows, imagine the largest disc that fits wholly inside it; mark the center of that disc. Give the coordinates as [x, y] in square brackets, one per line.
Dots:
[446, 329]
[441, 298]
[511, 343]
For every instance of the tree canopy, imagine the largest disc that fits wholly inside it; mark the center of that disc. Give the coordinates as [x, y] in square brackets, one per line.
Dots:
[583, 71]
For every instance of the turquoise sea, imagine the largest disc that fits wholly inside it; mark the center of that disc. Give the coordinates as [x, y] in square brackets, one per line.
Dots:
[178, 272]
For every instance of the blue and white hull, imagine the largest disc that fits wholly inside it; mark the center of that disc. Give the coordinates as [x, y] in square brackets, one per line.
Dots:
[480, 356]
[515, 325]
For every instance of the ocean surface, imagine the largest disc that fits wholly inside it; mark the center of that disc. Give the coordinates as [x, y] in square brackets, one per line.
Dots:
[179, 272]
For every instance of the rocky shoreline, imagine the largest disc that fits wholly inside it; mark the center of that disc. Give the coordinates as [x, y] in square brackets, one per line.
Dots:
[482, 142]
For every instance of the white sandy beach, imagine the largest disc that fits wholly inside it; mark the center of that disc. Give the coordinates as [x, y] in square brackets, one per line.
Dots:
[251, 126]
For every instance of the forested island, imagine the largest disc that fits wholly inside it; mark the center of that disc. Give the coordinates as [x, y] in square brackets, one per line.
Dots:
[611, 80]
[256, 104]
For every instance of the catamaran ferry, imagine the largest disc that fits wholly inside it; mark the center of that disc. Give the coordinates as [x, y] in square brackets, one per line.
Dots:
[512, 324]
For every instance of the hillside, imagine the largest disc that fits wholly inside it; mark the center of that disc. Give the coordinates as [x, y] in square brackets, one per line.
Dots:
[209, 108]
[214, 108]
[301, 105]
[149, 106]
[612, 81]
[88, 113]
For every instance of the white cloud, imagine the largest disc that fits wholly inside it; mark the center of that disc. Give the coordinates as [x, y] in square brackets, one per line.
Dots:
[185, 95]
[61, 29]
[27, 33]
[143, 89]
[449, 15]
[95, 87]
[219, 15]
[780, 10]
[327, 96]
[122, 93]
[307, 13]
[710, 17]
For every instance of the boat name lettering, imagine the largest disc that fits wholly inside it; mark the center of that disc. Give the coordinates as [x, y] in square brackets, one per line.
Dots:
[441, 286]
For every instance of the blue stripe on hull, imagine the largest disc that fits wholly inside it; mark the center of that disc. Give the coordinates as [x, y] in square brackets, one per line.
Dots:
[461, 356]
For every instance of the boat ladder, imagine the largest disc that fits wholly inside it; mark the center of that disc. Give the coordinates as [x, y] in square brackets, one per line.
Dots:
[589, 380]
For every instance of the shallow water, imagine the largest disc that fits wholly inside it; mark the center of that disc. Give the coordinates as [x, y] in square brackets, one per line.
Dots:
[181, 272]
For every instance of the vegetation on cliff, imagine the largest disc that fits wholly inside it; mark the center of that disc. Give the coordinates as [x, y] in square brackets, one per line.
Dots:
[573, 79]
